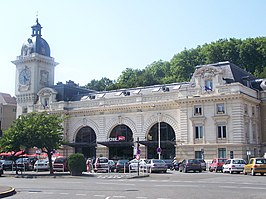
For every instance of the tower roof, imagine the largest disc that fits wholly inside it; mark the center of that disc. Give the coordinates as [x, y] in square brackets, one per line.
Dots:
[35, 44]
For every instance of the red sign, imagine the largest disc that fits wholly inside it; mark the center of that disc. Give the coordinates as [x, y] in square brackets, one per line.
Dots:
[121, 137]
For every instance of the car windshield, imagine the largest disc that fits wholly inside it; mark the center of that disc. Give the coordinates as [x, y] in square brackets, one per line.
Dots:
[238, 162]
[260, 161]
[221, 160]
[59, 160]
[158, 161]
[122, 161]
[103, 160]
[192, 161]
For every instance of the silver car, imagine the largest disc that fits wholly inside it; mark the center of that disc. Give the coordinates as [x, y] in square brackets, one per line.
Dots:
[156, 165]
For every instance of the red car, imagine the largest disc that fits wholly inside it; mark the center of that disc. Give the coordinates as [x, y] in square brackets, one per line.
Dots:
[217, 164]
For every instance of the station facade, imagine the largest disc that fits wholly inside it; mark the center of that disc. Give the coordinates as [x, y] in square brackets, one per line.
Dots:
[218, 113]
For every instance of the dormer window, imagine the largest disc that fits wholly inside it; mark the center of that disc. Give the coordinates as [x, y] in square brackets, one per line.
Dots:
[208, 85]
[197, 110]
[220, 109]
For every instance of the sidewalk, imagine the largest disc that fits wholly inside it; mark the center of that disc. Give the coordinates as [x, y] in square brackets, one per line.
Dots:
[6, 191]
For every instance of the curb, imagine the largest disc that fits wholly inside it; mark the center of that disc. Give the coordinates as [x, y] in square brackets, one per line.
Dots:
[9, 192]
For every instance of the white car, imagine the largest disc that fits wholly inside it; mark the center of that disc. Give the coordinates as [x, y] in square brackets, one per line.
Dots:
[235, 165]
[133, 165]
[41, 165]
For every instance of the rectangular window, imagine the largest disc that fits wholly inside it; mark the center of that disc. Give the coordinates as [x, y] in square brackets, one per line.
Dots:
[221, 131]
[208, 85]
[246, 108]
[221, 153]
[198, 132]
[198, 155]
[197, 110]
[253, 110]
[220, 108]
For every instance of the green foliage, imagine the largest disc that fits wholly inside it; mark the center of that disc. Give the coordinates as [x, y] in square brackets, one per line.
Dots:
[41, 130]
[249, 54]
[76, 163]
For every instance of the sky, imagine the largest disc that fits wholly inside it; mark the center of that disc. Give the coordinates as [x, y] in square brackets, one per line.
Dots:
[91, 39]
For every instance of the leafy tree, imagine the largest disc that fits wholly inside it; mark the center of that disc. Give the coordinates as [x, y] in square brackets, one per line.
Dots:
[249, 54]
[41, 130]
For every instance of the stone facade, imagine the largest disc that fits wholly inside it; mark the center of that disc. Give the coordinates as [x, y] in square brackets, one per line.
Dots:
[217, 114]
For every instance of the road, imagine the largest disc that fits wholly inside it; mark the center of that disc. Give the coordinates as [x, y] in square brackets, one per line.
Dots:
[158, 186]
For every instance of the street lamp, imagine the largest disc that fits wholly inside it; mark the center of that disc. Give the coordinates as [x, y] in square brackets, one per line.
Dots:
[159, 137]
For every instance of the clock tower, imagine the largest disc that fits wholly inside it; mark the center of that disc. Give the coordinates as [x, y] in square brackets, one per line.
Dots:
[34, 70]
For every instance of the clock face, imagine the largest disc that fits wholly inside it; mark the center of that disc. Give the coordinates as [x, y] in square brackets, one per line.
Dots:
[24, 77]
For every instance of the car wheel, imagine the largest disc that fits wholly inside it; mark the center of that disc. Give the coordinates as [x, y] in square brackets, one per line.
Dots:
[216, 170]
[261, 174]
[210, 169]
[253, 172]
[200, 171]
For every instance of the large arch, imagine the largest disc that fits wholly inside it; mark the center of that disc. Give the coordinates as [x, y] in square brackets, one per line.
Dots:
[85, 142]
[167, 136]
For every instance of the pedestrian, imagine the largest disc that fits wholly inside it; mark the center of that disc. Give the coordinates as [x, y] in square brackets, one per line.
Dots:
[89, 165]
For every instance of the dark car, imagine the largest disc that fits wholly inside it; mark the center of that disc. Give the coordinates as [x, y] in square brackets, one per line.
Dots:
[7, 164]
[122, 166]
[24, 164]
[190, 165]
[111, 165]
[169, 163]
[1, 169]
[203, 164]
[60, 164]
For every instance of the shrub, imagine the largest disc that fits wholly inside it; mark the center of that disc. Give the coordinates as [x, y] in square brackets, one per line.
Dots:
[76, 164]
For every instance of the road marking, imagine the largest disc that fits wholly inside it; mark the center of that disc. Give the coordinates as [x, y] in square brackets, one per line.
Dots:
[64, 193]
[81, 194]
[99, 195]
[142, 197]
[119, 196]
[49, 193]
[176, 185]
[116, 184]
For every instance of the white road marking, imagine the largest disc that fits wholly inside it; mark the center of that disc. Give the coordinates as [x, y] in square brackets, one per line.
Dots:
[81, 194]
[116, 184]
[64, 193]
[119, 196]
[99, 195]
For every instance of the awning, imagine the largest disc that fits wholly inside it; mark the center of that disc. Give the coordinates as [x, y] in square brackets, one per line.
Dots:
[155, 143]
[82, 144]
[113, 143]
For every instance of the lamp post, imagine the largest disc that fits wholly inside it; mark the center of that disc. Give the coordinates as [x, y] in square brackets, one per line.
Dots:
[159, 137]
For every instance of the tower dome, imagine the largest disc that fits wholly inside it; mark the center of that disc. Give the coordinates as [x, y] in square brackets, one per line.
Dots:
[35, 44]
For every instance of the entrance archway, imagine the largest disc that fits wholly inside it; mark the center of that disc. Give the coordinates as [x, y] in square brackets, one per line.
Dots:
[121, 143]
[85, 142]
[167, 141]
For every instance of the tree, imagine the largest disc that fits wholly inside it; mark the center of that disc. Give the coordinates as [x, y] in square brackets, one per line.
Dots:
[41, 130]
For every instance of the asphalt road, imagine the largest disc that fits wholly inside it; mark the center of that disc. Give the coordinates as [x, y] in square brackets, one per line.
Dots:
[173, 185]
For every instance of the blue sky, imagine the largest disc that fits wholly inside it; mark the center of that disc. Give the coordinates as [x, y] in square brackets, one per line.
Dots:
[92, 39]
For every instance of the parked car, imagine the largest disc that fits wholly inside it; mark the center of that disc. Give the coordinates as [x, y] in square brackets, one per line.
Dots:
[203, 164]
[7, 164]
[156, 165]
[235, 165]
[111, 165]
[41, 165]
[60, 164]
[24, 164]
[101, 164]
[122, 166]
[169, 163]
[190, 165]
[217, 164]
[1, 169]
[255, 165]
